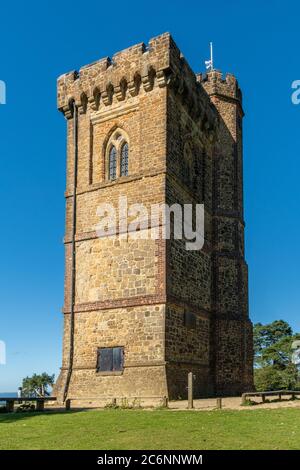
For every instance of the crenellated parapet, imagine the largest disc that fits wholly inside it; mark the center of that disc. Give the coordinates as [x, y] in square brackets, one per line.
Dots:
[215, 83]
[126, 74]
[184, 83]
[138, 69]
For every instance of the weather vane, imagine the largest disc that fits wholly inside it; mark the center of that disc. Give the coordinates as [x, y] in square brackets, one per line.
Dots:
[210, 63]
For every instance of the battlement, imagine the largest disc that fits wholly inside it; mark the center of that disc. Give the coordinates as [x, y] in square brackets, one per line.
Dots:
[215, 83]
[141, 68]
[125, 72]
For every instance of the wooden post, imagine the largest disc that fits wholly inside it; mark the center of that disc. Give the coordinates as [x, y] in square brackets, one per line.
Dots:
[244, 398]
[40, 404]
[263, 397]
[219, 403]
[190, 391]
[165, 402]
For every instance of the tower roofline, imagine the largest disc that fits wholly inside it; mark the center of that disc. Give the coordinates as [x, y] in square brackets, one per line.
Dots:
[137, 60]
[160, 62]
[222, 85]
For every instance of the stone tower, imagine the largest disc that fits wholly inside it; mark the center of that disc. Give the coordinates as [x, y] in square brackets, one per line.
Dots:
[140, 313]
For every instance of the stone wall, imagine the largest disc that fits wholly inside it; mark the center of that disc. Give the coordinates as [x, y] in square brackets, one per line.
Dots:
[232, 342]
[140, 330]
[187, 349]
[109, 269]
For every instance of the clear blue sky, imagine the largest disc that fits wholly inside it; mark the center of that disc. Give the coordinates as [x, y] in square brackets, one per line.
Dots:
[257, 41]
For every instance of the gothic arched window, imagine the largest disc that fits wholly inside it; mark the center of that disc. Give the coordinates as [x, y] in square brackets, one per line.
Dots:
[124, 160]
[117, 155]
[112, 163]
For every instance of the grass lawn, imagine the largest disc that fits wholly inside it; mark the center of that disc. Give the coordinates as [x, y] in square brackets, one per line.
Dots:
[158, 429]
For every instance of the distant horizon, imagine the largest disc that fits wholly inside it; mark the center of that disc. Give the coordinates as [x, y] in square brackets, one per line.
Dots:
[8, 394]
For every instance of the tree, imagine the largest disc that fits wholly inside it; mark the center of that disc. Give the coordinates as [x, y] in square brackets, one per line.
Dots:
[266, 336]
[273, 356]
[278, 354]
[37, 385]
[269, 378]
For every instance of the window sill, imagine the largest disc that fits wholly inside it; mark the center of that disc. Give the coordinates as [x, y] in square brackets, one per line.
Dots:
[118, 179]
[109, 373]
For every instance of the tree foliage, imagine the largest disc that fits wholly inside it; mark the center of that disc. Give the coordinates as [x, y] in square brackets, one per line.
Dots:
[37, 385]
[269, 378]
[272, 356]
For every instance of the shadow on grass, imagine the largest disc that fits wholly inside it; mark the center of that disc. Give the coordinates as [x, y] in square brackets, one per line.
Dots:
[250, 402]
[19, 416]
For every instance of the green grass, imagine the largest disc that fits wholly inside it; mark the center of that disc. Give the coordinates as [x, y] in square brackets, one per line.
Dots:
[157, 429]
